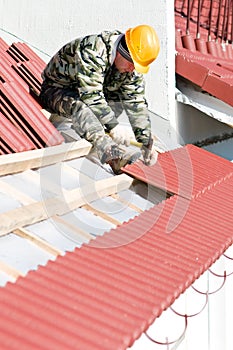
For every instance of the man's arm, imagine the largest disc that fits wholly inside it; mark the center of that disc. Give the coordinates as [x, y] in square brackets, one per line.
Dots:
[135, 105]
[90, 78]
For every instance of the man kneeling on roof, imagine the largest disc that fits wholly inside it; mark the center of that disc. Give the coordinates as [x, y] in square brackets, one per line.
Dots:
[92, 79]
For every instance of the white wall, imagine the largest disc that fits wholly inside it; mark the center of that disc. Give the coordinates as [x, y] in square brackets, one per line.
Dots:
[48, 24]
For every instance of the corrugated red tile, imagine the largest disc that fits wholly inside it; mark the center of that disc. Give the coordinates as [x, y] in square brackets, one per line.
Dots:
[3, 45]
[20, 81]
[190, 69]
[8, 74]
[185, 171]
[107, 293]
[11, 137]
[225, 87]
[29, 54]
[199, 54]
[29, 113]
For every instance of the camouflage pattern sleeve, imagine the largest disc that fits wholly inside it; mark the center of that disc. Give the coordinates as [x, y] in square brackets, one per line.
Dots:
[135, 105]
[93, 64]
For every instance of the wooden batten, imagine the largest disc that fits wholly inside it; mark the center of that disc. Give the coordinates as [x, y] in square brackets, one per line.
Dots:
[17, 162]
[9, 270]
[73, 199]
[37, 241]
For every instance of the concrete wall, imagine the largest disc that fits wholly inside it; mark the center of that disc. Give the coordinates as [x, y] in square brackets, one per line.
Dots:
[192, 125]
[48, 24]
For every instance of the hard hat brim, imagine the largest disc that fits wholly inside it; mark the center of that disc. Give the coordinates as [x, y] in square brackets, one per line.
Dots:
[141, 69]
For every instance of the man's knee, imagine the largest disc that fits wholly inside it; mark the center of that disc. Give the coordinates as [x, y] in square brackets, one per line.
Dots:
[58, 100]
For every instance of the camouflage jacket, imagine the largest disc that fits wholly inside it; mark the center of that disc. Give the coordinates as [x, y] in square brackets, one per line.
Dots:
[85, 64]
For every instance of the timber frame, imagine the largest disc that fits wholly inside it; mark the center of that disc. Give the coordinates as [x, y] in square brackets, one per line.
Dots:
[30, 211]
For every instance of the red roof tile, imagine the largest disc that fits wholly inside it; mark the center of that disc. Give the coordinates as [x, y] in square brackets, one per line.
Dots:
[105, 294]
[185, 171]
[15, 141]
[204, 56]
[20, 82]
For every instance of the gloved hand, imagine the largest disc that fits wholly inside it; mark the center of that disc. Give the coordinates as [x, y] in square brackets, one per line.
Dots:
[120, 135]
[149, 154]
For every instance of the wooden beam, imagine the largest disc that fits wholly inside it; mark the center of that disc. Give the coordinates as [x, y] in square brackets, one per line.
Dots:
[78, 231]
[37, 241]
[126, 203]
[45, 183]
[71, 200]
[17, 162]
[11, 191]
[83, 178]
[102, 214]
[9, 270]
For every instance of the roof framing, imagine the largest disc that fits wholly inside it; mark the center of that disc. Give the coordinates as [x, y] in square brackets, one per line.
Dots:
[60, 200]
[94, 294]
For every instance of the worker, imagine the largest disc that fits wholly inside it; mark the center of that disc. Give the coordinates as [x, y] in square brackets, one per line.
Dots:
[93, 79]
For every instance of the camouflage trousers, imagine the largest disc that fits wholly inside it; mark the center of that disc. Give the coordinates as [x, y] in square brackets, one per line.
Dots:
[66, 103]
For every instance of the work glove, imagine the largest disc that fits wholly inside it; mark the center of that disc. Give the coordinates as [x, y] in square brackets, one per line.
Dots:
[120, 135]
[149, 153]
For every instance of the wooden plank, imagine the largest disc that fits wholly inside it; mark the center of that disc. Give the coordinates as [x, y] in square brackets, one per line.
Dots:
[14, 193]
[37, 241]
[127, 203]
[78, 231]
[82, 178]
[45, 183]
[102, 214]
[71, 200]
[77, 174]
[11, 271]
[17, 162]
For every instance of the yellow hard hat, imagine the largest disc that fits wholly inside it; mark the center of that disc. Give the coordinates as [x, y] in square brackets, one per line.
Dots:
[143, 44]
